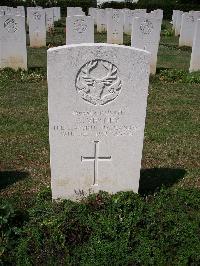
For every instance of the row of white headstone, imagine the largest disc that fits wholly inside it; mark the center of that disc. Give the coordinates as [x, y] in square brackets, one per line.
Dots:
[146, 28]
[187, 27]
[102, 17]
[13, 51]
[79, 29]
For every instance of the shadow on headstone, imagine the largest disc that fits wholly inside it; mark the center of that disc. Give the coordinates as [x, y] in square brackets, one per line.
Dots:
[8, 178]
[151, 180]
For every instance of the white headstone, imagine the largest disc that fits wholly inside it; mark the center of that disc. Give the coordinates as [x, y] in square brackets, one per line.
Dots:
[56, 13]
[187, 30]
[138, 13]
[146, 36]
[20, 11]
[178, 22]
[109, 11]
[30, 9]
[195, 56]
[140, 10]
[9, 10]
[93, 14]
[174, 17]
[97, 107]
[129, 15]
[37, 28]
[101, 20]
[13, 42]
[59, 13]
[2, 9]
[156, 14]
[49, 19]
[79, 29]
[115, 24]
[127, 20]
[195, 13]
[75, 11]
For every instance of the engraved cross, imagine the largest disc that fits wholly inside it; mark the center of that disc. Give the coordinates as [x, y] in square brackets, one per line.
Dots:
[95, 159]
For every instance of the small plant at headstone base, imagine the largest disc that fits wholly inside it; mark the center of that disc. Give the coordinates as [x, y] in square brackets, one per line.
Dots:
[52, 37]
[178, 76]
[122, 229]
[167, 32]
[8, 74]
[59, 24]
[11, 223]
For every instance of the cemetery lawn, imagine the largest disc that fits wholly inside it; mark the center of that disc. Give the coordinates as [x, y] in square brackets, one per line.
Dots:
[160, 226]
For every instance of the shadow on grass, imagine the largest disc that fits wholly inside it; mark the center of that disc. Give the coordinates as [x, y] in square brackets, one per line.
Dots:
[151, 180]
[8, 178]
[159, 69]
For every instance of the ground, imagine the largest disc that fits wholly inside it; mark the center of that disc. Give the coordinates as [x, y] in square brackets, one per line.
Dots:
[158, 226]
[171, 146]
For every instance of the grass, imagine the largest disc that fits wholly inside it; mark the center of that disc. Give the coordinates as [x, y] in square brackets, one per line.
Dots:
[157, 228]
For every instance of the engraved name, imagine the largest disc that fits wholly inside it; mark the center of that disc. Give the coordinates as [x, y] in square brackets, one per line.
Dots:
[96, 124]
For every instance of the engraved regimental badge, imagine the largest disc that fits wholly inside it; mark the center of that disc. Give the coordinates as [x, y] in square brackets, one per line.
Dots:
[190, 18]
[116, 17]
[146, 27]
[80, 26]
[10, 25]
[98, 82]
[37, 15]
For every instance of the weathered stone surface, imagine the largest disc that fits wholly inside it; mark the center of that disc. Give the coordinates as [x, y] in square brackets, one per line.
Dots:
[195, 56]
[146, 36]
[13, 51]
[97, 97]
[79, 29]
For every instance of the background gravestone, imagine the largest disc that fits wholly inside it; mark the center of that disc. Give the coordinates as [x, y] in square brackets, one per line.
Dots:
[30, 9]
[195, 56]
[49, 19]
[97, 97]
[146, 36]
[56, 13]
[93, 14]
[79, 29]
[127, 20]
[178, 22]
[174, 17]
[75, 11]
[187, 30]
[37, 28]
[13, 42]
[115, 24]
[101, 20]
